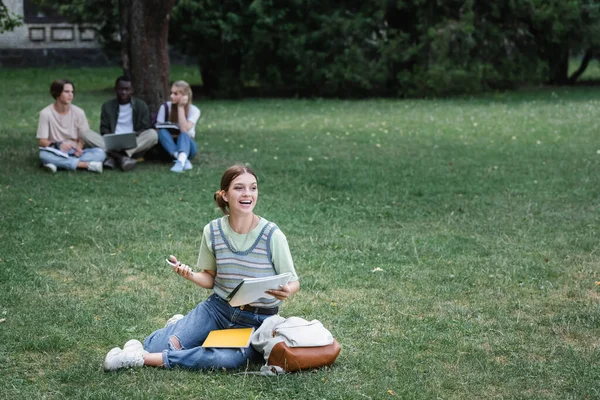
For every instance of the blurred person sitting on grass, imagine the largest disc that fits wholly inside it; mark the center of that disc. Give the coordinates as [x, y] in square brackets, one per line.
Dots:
[179, 144]
[238, 245]
[124, 114]
[60, 133]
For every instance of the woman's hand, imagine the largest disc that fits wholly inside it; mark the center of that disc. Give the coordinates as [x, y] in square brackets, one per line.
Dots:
[183, 101]
[181, 269]
[282, 293]
[285, 291]
[184, 271]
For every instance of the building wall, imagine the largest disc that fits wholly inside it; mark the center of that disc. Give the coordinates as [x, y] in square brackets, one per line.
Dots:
[47, 40]
[46, 35]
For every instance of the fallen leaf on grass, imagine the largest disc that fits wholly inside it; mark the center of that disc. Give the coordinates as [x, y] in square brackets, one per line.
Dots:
[2, 320]
[598, 283]
[390, 392]
[377, 270]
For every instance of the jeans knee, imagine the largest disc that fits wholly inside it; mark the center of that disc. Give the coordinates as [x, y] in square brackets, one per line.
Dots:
[175, 343]
[184, 138]
[163, 134]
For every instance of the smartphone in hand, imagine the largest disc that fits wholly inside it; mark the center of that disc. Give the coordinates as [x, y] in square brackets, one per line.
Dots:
[171, 263]
[176, 264]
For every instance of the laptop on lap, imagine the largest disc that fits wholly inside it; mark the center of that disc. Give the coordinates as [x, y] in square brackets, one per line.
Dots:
[119, 141]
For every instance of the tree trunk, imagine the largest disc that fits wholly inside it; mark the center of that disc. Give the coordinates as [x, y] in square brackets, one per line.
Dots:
[558, 64]
[589, 54]
[124, 7]
[148, 28]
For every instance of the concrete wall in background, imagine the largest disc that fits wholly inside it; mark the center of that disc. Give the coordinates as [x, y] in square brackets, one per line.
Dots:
[46, 39]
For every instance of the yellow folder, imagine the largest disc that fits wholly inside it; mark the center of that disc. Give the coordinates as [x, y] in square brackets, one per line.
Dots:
[234, 337]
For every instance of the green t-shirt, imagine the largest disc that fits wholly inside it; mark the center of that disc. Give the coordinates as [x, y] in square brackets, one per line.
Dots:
[280, 251]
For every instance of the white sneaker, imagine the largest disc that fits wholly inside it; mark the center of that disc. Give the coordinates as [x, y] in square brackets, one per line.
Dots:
[95, 166]
[50, 168]
[126, 358]
[178, 167]
[173, 319]
[187, 166]
[133, 344]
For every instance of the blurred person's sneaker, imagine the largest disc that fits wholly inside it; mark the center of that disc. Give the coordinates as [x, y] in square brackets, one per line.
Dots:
[187, 166]
[95, 166]
[127, 163]
[50, 168]
[110, 163]
[178, 167]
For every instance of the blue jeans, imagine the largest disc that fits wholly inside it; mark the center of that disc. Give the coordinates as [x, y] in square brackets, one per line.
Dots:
[184, 143]
[192, 330]
[93, 154]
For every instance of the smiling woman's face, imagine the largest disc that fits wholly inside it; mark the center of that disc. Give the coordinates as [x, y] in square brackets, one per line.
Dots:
[242, 194]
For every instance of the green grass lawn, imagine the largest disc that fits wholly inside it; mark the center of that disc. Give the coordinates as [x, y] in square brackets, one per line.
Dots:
[451, 246]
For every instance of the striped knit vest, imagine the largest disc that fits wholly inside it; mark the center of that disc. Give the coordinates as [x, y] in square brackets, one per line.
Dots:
[233, 265]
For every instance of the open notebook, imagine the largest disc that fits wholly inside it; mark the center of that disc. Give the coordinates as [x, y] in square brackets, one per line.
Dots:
[167, 125]
[251, 289]
[234, 337]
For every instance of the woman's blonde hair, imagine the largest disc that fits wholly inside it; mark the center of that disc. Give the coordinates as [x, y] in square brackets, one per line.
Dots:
[187, 91]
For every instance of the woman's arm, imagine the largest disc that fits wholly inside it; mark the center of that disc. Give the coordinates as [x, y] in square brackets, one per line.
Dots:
[184, 124]
[282, 260]
[205, 279]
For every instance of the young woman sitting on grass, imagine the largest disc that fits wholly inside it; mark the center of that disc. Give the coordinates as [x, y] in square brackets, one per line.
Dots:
[179, 110]
[239, 245]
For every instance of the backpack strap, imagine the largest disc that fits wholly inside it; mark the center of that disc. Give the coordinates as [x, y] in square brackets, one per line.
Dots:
[166, 111]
